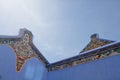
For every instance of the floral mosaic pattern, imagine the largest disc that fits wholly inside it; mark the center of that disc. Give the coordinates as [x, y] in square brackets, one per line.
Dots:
[23, 51]
[21, 47]
[84, 59]
[96, 42]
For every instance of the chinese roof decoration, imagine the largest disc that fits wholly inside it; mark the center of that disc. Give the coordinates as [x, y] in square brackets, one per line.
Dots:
[96, 42]
[88, 56]
[25, 49]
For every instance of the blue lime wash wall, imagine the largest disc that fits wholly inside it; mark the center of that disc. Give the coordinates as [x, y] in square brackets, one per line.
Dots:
[32, 70]
[103, 69]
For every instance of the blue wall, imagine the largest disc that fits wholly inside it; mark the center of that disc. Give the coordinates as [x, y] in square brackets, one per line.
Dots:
[104, 69]
[32, 70]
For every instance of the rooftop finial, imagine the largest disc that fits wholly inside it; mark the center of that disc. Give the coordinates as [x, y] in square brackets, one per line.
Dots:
[94, 36]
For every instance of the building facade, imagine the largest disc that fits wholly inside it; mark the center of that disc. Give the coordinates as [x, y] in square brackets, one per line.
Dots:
[20, 59]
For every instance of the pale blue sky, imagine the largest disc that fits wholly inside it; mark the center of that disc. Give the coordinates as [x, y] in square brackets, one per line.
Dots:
[61, 28]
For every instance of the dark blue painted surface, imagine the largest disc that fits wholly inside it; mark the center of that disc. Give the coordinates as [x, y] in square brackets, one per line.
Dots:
[104, 69]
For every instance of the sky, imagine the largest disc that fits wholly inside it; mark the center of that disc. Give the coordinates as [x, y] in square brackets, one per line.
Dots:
[61, 28]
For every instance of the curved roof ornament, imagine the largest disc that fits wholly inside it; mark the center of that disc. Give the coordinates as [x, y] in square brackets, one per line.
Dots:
[23, 47]
[96, 42]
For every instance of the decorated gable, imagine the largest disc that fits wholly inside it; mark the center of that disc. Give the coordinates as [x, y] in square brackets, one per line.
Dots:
[96, 42]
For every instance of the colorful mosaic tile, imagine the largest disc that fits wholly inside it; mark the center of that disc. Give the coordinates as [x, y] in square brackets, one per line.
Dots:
[96, 42]
[21, 46]
[24, 49]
